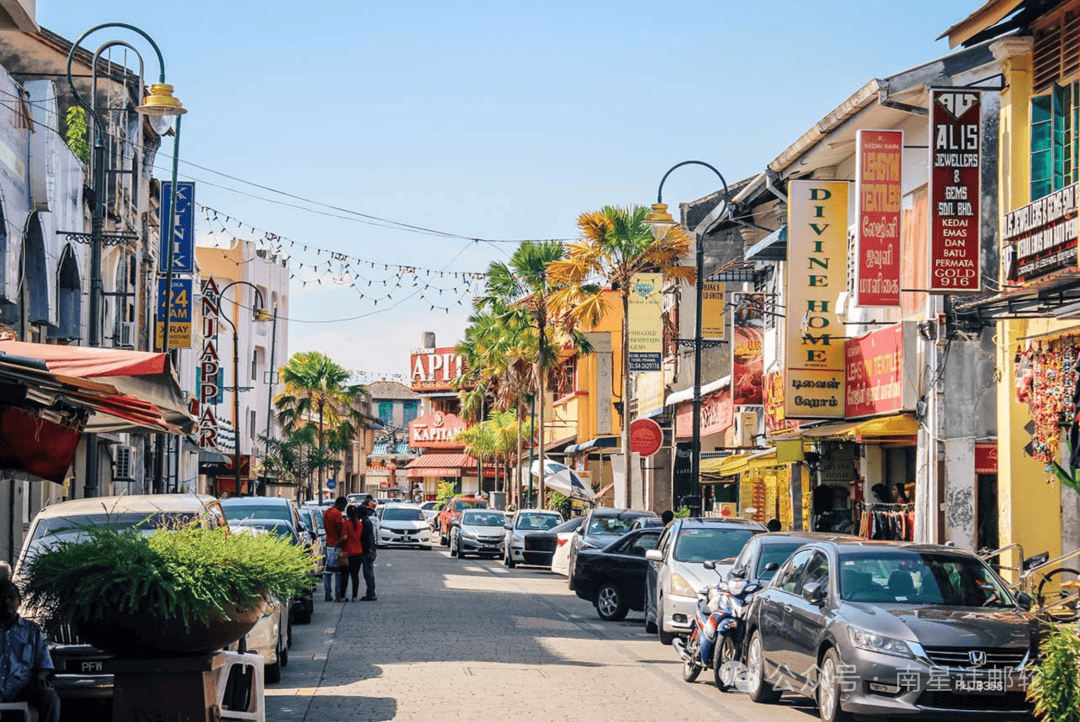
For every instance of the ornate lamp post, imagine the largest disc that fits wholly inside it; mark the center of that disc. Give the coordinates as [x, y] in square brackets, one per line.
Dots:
[661, 222]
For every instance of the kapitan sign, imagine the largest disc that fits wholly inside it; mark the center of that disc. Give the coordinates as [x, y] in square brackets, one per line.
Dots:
[435, 431]
[435, 369]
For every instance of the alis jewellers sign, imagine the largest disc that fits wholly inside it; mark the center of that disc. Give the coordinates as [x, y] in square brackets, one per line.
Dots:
[1039, 239]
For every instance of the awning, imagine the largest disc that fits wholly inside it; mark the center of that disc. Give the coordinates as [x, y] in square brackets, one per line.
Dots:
[772, 247]
[688, 394]
[881, 427]
[440, 465]
[600, 442]
[738, 463]
[148, 377]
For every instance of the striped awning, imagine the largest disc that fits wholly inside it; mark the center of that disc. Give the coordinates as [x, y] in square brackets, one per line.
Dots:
[441, 465]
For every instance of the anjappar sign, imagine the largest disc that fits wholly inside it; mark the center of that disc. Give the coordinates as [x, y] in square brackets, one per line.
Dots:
[817, 272]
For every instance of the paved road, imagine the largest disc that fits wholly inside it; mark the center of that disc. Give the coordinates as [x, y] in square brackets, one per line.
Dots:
[452, 639]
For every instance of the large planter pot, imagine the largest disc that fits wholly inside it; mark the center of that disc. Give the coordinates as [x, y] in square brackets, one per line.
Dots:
[145, 635]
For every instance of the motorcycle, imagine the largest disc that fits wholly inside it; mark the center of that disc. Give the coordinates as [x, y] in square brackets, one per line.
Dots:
[716, 634]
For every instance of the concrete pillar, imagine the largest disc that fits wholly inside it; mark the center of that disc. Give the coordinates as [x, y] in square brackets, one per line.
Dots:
[960, 492]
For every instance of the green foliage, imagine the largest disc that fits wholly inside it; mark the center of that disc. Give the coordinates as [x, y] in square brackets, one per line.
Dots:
[447, 489]
[76, 136]
[180, 573]
[1055, 688]
[558, 502]
[682, 513]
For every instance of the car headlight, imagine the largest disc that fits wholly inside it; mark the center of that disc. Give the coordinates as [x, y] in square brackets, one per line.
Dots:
[468, 534]
[872, 642]
[680, 587]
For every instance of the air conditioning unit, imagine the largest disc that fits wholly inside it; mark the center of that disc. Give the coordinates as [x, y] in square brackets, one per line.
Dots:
[124, 463]
[745, 428]
[127, 334]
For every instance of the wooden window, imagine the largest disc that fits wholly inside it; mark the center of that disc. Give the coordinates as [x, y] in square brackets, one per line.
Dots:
[1054, 147]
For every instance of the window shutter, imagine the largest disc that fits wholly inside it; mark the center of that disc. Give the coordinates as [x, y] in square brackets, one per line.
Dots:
[1056, 52]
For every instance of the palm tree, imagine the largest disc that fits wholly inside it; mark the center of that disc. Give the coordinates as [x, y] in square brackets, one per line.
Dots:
[317, 387]
[615, 244]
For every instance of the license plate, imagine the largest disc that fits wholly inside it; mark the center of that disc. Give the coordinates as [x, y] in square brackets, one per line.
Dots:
[85, 667]
[974, 685]
[403, 539]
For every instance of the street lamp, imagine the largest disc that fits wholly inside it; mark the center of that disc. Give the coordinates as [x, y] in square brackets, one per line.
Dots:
[662, 222]
[159, 102]
[260, 315]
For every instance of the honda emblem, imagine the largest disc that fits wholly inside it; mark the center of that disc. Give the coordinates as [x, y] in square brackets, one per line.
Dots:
[977, 658]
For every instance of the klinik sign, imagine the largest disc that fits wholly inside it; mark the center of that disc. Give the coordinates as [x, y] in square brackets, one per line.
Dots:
[209, 364]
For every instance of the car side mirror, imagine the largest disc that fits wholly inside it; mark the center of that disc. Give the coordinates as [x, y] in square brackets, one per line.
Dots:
[508, 527]
[580, 531]
[772, 567]
[710, 564]
[814, 592]
[654, 555]
[1024, 600]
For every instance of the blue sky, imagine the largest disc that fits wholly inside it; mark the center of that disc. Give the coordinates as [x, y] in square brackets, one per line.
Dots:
[494, 120]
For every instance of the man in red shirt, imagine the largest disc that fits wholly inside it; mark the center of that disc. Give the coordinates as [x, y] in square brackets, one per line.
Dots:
[333, 520]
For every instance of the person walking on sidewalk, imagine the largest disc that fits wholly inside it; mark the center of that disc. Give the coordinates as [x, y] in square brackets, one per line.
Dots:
[368, 557]
[353, 531]
[332, 521]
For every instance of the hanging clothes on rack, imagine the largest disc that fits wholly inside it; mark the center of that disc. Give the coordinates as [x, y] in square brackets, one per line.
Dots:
[888, 522]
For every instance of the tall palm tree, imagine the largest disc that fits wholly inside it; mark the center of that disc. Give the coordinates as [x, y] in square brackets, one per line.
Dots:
[316, 387]
[615, 244]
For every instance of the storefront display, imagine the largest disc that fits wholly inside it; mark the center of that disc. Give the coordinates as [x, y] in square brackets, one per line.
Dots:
[1046, 381]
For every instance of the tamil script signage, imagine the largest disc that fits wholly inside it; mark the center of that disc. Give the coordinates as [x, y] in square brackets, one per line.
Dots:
[435, 369]
[209, 364]
[644, 324]
[1039, 239]
[717, 415]
[435, 431]
[878, 165]
[183, 250]
[776, 421]
[816, 273]
[955, 160]
[875, 379]
[179, 313]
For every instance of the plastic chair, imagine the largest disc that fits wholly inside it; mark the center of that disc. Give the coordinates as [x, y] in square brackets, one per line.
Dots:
[240, 688]
[28, 713]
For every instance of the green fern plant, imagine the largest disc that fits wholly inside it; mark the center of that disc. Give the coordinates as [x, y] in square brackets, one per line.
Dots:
[1055, 687]
[76, 135]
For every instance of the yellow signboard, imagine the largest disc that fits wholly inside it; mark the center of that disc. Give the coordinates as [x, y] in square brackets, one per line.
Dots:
[179, 312]
[817, 273]
[644, 325]
[712, 311]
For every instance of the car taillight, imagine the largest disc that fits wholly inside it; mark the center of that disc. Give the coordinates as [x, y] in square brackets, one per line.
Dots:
[560, 542]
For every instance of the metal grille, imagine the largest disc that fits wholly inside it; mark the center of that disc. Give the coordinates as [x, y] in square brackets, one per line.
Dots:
[1008, 702]
[959, 657]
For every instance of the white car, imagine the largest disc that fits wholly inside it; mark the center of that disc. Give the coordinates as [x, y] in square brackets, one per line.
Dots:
[560, 563]
[539, 547]
[401, 525]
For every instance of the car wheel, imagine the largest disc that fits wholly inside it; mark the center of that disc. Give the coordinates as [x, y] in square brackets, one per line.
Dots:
[725, 666]
[610, 602]
[304, 617]
[508, 559]
[288, 631]
[272, 672]
[756, 686]
[650, 626]
[666, 638]
[828, 689]
[283, 655]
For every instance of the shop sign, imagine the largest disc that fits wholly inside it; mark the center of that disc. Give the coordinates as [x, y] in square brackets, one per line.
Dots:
[209, 364]
[817, 272]
[747, 348]
[875, 378]
[837, 464]
[717, 415]
[435, 369]
[180, 314]
[955, 162]
[651, 386]
[183, 254]
[878, 166]
[775, 419]
[1039, 239]
[712, 310]
[644, 325]
[435, 431]
[986, 457]
[646, 436]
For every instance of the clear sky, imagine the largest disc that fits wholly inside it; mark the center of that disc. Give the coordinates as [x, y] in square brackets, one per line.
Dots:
[487, 119]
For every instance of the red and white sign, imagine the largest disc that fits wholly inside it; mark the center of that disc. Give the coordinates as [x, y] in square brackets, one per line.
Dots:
[209, 364]
[875, 379]
[878, 165]
[435, 369]
[646, 436]
[435, 431]
[717, 415]
[986, 457]
[955, 161]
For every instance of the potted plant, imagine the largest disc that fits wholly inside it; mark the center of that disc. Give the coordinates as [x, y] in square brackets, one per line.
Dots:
[1055, 687]
[177, 591]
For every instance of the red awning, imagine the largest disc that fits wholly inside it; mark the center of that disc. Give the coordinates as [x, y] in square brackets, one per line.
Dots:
[440, 465]
[88, 362]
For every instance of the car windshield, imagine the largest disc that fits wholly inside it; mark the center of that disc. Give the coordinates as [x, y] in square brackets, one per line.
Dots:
[701, 544]
[608, 526]
[774, 554]
[911, 577]
[392, 514]
[538, 522]
[459, 505]
[270, 525]
[247, 510]
[480, 518]
[142, 520]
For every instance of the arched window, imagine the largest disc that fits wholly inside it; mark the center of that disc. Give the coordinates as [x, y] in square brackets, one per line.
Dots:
[68, 298]
[33, 298]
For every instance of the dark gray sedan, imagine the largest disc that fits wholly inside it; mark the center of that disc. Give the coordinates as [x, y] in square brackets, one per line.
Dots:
[891, 628]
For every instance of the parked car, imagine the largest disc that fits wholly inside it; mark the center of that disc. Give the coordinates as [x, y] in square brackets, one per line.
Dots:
[764, 553]
[676, 573]
[300, 608]
[311, 518]
[431, 510]
[264, 507]
[83, 670]
[477, 531]
[613, 578]
[399, 524]
[449, 514]
[891, 629]
[644, 522]
[600, 528]
[563, 535]
[527, 540]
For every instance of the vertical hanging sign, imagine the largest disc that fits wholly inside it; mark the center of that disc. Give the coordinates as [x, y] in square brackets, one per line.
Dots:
[878, 164]
[179, 313]
[747, 349]
[209, 365]
[644, 323]
[816, 273]
[712, 310]
[955, 160]
[183, 229]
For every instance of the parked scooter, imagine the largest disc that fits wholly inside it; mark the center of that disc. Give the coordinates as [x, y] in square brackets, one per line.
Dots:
[716, 635]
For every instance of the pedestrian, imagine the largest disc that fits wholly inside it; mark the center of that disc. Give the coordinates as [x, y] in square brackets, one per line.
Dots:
[773, 525]
[667, 516]
[332, 520]
[368, 555]
[25, 664]
[353, 529]
[369, 502]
